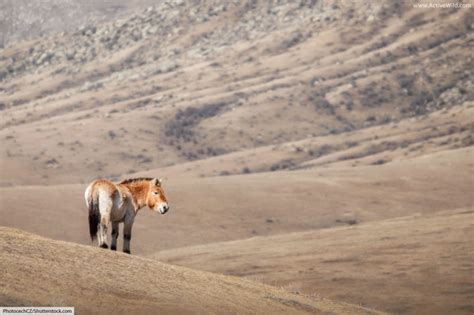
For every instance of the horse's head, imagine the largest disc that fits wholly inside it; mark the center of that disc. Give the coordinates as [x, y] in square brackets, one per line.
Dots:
[156, 199]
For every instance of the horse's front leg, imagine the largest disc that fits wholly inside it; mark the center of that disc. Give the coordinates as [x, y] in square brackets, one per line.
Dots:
[115, 234]
[127, 234]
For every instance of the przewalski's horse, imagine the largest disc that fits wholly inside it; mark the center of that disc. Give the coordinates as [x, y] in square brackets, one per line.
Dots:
[116, 203]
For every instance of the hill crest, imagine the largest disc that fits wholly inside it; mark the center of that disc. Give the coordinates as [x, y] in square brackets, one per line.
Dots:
[99, 281]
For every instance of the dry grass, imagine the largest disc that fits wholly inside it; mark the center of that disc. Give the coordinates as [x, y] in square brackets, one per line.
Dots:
[38, 271]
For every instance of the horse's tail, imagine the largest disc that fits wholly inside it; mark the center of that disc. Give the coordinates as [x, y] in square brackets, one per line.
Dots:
[94, 216]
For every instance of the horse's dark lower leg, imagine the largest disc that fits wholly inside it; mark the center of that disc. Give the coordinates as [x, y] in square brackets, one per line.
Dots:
[126, 242]
[115, 234]
[127, 233]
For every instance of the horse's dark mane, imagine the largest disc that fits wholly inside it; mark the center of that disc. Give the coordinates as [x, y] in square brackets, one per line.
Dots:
[133, 180]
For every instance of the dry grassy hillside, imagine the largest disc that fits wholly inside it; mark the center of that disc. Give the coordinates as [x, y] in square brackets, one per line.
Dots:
[180, 82]
[413, 264]
[38, 271]
[446, 130]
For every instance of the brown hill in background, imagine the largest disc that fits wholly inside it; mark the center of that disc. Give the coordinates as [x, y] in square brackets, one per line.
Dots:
[416, 264]
[180, 82]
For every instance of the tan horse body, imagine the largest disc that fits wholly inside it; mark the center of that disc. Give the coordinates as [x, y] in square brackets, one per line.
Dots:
[119, 203]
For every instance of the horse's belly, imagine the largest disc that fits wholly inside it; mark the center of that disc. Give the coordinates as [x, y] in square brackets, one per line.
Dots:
[118, 214]
[119, 209]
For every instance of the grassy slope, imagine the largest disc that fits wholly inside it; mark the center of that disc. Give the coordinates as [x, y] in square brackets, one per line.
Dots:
[38, 271]
[413, 264]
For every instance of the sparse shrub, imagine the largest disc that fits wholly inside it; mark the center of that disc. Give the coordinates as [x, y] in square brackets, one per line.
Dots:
[371, 150]
[292, 41]
[139, 158]
[139, 104]
[321, 103]
[284, 164]
[379, 162]
[406, 82]
[420, 103]
[112, 135]
[52, 161]
[144, 159]
[467, 141]
[386, 119]
[215, 151]
[351, 144]
[322, 150]
[181, 127]
[347, 221]
[246, 170]
[375, 96]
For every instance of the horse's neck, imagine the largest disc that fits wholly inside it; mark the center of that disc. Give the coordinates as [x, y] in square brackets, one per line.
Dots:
[138, 192]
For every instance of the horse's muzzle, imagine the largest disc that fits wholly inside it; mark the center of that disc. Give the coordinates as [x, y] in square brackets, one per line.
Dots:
[164, 209]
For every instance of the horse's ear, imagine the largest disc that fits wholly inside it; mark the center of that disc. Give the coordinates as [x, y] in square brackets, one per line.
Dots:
[156, 182]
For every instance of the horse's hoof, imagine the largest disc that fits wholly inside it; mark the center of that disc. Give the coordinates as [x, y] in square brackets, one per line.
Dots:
[104, 246]
[112, 247]
[126, 251]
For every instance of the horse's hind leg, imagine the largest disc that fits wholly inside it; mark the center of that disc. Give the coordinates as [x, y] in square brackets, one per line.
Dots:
[105, 208]
[102, 233]
[127, 233]
[115, 234]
